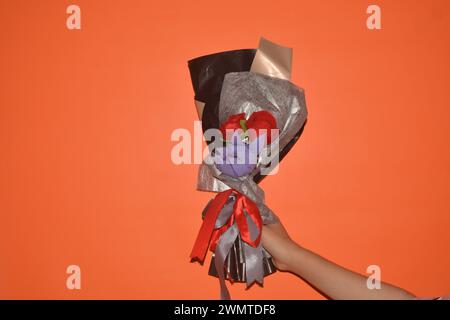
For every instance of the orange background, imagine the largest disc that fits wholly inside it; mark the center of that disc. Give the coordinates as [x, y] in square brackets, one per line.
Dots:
[86, 117]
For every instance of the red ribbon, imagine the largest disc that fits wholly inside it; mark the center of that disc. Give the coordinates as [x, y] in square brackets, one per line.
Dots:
[208, 234]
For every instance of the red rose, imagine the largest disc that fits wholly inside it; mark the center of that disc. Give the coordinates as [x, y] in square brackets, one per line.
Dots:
[262, 120]
[233, 123]
[258, 120]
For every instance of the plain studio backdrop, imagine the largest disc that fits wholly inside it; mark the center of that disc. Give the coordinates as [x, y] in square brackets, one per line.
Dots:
[86, 117]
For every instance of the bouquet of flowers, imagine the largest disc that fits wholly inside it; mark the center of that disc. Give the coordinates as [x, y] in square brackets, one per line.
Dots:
[255, 115]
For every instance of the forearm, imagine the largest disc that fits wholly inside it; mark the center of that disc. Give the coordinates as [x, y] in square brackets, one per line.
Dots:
[335, 281]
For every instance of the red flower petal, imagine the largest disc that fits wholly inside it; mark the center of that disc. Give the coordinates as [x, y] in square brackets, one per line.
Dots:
[262, 120]
[232, 123]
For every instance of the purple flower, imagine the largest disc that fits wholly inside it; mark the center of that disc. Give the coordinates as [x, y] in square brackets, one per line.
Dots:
[239, 158]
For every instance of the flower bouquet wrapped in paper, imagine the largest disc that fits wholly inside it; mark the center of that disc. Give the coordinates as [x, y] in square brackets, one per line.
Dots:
[252, 115]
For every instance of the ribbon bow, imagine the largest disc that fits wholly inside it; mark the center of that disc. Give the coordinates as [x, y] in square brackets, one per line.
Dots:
[229, 215]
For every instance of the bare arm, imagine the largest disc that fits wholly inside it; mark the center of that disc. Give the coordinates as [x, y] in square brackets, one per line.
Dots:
[329, 278]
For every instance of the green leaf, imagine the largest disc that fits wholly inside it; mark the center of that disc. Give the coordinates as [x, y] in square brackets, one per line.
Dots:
[243, 124]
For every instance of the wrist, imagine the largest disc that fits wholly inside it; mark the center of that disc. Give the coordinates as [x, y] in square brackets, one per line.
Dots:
[286, 260]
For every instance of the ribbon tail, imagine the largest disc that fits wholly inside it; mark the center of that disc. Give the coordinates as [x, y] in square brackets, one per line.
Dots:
[253, 264]
[254, 270]
[204, 236]
[223, 248]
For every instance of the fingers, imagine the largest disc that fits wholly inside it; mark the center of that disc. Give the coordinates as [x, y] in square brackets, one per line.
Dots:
[277, 242]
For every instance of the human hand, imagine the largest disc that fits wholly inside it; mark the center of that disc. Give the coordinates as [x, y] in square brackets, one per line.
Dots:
[277, 242]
